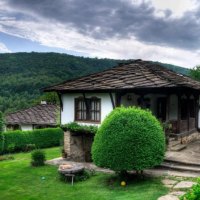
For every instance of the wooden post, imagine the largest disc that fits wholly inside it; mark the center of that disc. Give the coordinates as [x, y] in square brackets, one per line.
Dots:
[112, 100]
[179, 113]
[118, 99]
[188, 113]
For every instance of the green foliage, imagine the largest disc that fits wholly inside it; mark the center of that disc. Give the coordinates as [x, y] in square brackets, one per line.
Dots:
[38, 158]
[50, 97]
[193, 193]
[1, 122]
[27, 140]
[195, 73]
[23, 75]
[129, 139]
[77, 128]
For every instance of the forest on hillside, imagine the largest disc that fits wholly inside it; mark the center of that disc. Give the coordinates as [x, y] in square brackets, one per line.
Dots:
[23, 75]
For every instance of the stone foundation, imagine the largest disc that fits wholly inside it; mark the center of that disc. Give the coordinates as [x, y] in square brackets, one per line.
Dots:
[77, 146]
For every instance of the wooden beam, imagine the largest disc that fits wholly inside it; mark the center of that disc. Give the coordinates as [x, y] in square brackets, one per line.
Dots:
[60, 100]
[61, 105]
[188, 112]
[84, 98]
[179, 112]
[112, 100]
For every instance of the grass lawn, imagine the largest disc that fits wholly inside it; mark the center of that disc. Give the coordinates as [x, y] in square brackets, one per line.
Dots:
[20, 181]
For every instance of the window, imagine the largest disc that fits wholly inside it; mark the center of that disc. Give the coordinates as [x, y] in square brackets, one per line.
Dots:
[88, 109]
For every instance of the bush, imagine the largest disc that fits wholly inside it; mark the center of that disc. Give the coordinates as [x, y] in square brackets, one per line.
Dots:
[77, 128]
[39, 138]
[193, 193]
[129, 139]
[38, 158]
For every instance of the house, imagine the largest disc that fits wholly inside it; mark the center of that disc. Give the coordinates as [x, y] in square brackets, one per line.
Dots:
[40, 116]
[170, 96]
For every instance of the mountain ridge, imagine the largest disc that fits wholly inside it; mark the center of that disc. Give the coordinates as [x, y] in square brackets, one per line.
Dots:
[22, 75]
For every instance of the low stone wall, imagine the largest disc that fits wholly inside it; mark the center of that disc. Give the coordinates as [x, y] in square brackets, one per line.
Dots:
[190, 137]
[77, 146]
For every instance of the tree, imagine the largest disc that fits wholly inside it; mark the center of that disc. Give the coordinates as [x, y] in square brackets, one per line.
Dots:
[129, 139]
[195, 73]
[1, 133]
[1, 122]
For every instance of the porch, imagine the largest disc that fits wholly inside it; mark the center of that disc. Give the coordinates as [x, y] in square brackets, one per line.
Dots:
[180, 107]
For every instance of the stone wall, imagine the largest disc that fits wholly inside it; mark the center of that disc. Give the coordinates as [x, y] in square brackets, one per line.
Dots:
[77, 147]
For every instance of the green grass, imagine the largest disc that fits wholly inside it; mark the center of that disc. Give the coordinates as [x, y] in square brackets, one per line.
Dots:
[20, 181]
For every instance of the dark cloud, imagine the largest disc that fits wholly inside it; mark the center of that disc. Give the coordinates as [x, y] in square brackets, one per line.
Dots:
[103, 19]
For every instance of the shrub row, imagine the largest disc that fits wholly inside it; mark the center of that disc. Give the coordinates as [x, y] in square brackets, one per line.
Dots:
[77, 128]
[12, 141]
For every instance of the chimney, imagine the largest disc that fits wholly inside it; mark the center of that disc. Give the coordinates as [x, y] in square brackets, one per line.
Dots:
[43, 103]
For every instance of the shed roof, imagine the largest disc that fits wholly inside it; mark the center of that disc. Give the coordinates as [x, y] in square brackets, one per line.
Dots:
[43, 114]
[134, 75]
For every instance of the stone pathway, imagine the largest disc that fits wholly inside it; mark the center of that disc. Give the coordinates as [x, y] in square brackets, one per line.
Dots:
[176, 187]
[150, 172]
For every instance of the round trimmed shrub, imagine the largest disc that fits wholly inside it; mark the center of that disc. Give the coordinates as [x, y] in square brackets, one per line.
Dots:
[129, 139]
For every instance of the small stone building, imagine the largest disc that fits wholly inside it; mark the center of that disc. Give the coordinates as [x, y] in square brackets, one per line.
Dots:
[40, 116]
[77, 146]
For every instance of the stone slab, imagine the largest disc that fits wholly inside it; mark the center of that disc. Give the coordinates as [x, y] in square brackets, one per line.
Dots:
[177, 193]
[168, 197]
[184, 185]
[168, 182]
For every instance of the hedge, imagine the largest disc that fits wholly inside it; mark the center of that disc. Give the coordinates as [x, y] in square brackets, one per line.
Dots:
[41, 138]
[77, 128]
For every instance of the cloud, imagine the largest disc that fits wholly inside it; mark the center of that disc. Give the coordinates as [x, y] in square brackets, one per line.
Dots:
[3, 48]
[107, 28]
[107, 19]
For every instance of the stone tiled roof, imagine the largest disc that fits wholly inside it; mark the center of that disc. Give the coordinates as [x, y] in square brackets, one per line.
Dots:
[134, 75]
[43, 114]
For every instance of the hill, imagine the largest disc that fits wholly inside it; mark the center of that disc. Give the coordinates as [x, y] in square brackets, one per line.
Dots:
[22, 75]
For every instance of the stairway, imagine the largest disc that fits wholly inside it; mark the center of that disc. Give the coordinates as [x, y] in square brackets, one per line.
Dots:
[175, 145]
[180, 166]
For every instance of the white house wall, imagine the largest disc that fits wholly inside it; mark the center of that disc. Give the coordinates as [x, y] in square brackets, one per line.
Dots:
[26, 127]
[67, 115]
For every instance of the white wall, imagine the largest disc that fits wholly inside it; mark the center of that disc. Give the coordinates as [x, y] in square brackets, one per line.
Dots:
[67, 115]
[173, 107]
[26, 127]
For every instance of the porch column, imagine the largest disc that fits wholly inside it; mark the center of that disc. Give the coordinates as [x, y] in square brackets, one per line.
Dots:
[179, 113]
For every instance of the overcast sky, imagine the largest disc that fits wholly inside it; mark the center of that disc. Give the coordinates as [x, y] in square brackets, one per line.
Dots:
[159, 30]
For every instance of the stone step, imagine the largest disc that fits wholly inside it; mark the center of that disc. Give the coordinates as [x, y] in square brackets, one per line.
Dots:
[183, 163]
[180, 167]
[177, 147]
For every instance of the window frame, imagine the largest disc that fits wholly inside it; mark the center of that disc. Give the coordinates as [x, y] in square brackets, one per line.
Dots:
[88, 109]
